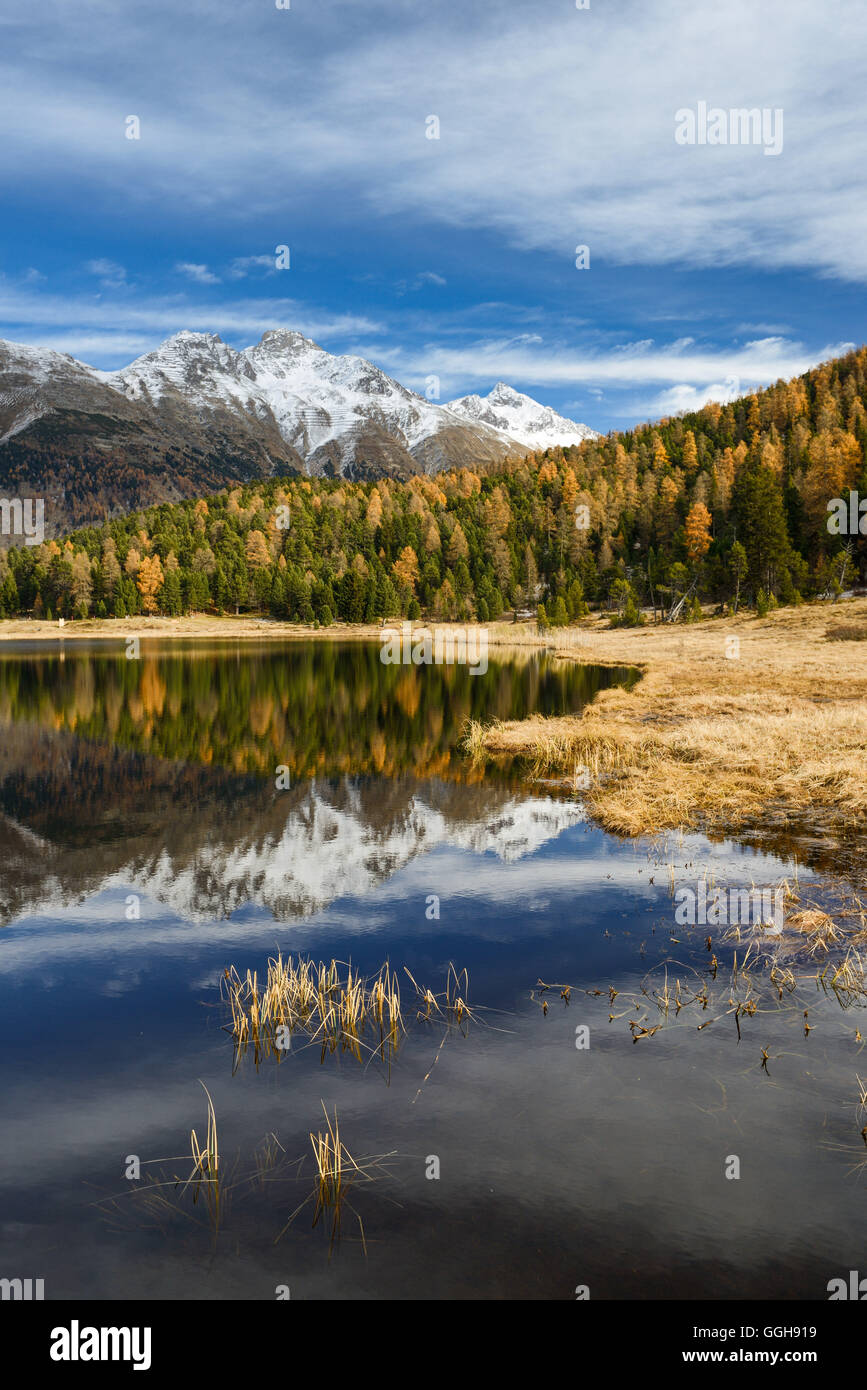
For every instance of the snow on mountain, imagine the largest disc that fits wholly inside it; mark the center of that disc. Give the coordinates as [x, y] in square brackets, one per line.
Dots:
[317, 396]
[26, 373]
[196, 413]
[522, 418]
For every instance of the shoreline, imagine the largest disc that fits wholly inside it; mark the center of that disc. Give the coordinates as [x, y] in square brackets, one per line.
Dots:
[245, 628]
[709, 740]
[735, 724]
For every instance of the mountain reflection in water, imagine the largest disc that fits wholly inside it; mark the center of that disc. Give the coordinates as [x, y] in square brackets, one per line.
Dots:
[146, 847]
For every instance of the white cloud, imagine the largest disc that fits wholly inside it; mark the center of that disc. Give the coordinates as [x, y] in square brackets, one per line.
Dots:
[686, 397]
[585, 154]
[243, 265]
[679, 368]
[111, 329]
[661, 379]
[111, 275]
[199, 273]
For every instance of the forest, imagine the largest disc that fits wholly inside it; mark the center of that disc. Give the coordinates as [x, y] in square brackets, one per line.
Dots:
[728, 506]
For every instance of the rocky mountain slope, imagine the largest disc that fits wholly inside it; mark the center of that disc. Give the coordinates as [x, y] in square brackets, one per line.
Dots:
[196, 414]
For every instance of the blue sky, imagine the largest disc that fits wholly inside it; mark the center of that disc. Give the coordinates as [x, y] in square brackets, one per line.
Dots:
[712, 268]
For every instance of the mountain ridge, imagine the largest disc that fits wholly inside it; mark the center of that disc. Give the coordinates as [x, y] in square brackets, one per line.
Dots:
[196, 413]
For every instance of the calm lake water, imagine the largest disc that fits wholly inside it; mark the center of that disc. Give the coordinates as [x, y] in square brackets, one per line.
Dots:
[146, 848]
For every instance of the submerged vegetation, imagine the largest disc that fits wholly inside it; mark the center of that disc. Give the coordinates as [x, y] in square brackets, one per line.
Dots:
[326, 1003]
[159, 1201]
[750, 970]
[337, 1172]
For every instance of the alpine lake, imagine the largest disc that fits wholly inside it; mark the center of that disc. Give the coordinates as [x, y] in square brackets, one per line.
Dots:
[574, 1092]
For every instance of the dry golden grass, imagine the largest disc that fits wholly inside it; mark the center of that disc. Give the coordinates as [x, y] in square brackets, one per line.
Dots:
[326, 1003]
[704, 740]
[334, 1006]
[336, 1174]
[206, 1164]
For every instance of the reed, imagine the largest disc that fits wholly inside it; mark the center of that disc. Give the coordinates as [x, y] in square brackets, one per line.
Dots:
[337, 1173]
[329, 1003]
[451, 1004]
[206, 1164]
[335, 1169]
[847, 978]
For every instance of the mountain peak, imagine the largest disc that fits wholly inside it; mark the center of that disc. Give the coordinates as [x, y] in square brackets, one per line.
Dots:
[524, 420]
[185, 335]
[213, 412]
[186, 345]
[189, 338]
[282, 338]
[505, 393]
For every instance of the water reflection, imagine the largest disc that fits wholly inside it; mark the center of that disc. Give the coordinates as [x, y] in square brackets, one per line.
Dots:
[153, 783]
[319, 709]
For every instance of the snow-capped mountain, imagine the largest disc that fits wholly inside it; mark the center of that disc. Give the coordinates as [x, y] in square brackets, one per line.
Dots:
[337, 412]
[196, 414]
[521, 418]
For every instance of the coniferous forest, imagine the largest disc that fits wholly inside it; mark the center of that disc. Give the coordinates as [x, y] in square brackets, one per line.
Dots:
[728, 505]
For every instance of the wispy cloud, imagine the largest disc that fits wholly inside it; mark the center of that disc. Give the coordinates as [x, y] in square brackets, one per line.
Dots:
[678, 368]
[591, 158]
[307, 127]
[113, 330]
[658, 377]
[245, 265]
[199, 273]
[111, 275]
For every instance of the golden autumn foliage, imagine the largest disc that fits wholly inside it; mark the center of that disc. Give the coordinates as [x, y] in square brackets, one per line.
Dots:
[405, 568]
[697, 535]
[149, 581]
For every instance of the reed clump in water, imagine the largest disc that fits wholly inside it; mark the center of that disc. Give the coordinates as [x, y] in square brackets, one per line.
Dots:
[451, 1004]
[337, 1172]
[159, 1197]
[333, 1005]
[327, 1003]
[206, 1165]
[771, 964]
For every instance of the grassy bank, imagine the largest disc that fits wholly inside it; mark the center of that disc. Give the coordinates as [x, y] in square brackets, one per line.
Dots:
[777, 732]
[245, 627]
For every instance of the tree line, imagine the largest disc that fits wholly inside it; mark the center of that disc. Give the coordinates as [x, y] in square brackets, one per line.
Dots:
[728, 504]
